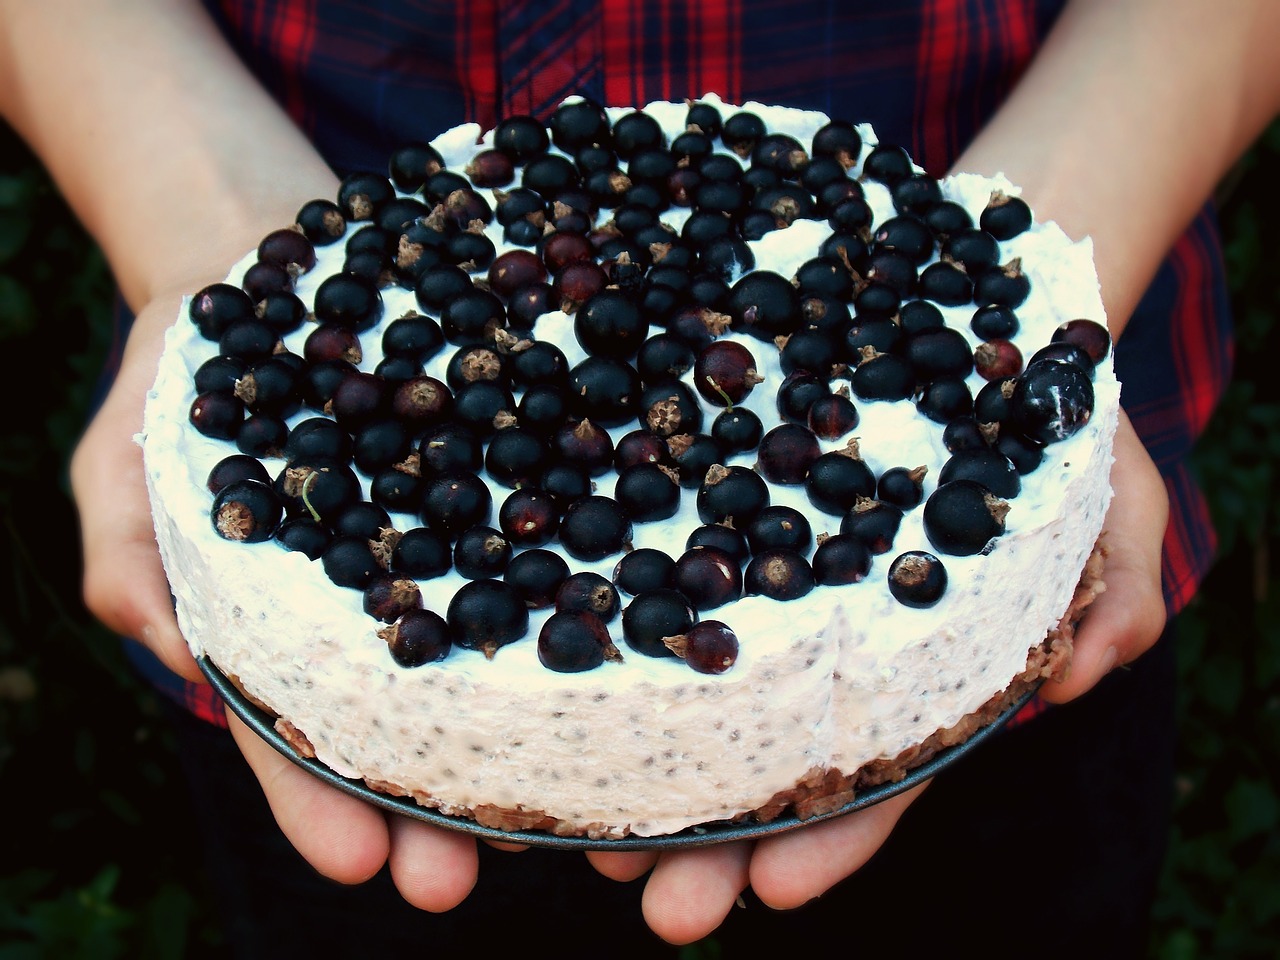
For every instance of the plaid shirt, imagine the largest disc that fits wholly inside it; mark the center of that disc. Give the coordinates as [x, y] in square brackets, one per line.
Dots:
[362, 78]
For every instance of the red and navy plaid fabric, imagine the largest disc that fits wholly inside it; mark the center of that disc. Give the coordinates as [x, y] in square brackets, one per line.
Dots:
[361, 78]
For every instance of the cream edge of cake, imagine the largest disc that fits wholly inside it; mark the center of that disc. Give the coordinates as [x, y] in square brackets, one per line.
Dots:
[841, 678]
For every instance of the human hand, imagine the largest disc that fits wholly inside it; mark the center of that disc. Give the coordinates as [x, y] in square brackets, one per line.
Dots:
[689, 893]
[1128, 617]
[126, 588]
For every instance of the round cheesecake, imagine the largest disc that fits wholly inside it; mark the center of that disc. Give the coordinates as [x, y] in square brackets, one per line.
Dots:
[844, 685]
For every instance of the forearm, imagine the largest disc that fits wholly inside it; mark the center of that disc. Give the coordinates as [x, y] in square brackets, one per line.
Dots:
[165, 146]
[1127, 120]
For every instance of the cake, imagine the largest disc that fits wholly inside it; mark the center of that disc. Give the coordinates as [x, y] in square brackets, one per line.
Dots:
[797, 689]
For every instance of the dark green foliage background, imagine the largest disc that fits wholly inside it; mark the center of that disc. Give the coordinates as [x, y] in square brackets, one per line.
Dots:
[98, 858]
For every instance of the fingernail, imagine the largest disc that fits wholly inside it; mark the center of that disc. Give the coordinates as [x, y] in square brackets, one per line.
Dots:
[148, 635]
[1108, 661]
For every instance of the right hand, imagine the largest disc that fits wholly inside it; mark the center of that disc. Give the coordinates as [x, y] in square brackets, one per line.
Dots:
[125, 586]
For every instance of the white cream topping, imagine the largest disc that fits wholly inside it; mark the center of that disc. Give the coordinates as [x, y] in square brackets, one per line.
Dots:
[838, 678]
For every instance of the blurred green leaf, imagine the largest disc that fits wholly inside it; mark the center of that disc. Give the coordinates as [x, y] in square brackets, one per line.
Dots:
[1251, 809]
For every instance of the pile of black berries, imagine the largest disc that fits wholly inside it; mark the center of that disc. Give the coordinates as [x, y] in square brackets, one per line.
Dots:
[496, 446]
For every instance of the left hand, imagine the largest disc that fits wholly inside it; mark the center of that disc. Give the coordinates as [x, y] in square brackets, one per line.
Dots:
[689, 893]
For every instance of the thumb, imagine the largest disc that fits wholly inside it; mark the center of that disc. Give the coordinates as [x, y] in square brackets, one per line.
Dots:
[1127, 619]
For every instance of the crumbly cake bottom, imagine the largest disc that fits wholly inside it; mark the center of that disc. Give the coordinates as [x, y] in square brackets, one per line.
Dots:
[821, 791]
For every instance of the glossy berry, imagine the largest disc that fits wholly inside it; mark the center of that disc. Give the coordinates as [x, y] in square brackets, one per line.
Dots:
[840, 559]
[722, 537]
[917, 579]
[813, 350]
[669, 408]
[1052, 401]
[644, 569]
[708, 647]
[595, 527]
[986, 466]
[490, 168]
[237, 466]
[991, 405]
[1066, 352]
[946, 283]
[516, 456]
[348, 301]
[521, 137]
[786, 453]
[486, 615]
[994, 322]
[1089, 335]
[288, 248]
[939, 353]
[578, 124]
[882, 376]
[962, 517]
[653, 616]
[873, 522]
[737, 430]
[708, 577]
[765, 305]
[480, 552]
[572, 641]
[647, 492]
[997, 359]
[901, 486]
[262, 435]
[606, 389]
[1024, 453]
[321, 221]
[363, 518]
[945, 398]
[304, 535]
[482, 405]
[779, 526]
[349, 562]
[838, 479]
[272, 387]
[693, 455]
[778, 573]
[963, 433]
[317, 487]
[246, 511]
[389, 597]
[797, 393]
[1005, 285]
[421, 553]
[725, 373]
[417, 638]
[832, 416]
[536, 575]
[217, 415]
[529, 517]
[1004, 216]
[888, 163]
[412, 164]
[588, 592]
[454, 502]
[217, 306]
[731, 491]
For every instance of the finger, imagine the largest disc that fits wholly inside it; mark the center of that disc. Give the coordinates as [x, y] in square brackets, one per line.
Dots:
[124, 583]
[793, 868]
[691, 891]
[344, 838]
[433, 869]
[622, 865]
[507, 847]
[1125, 620]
